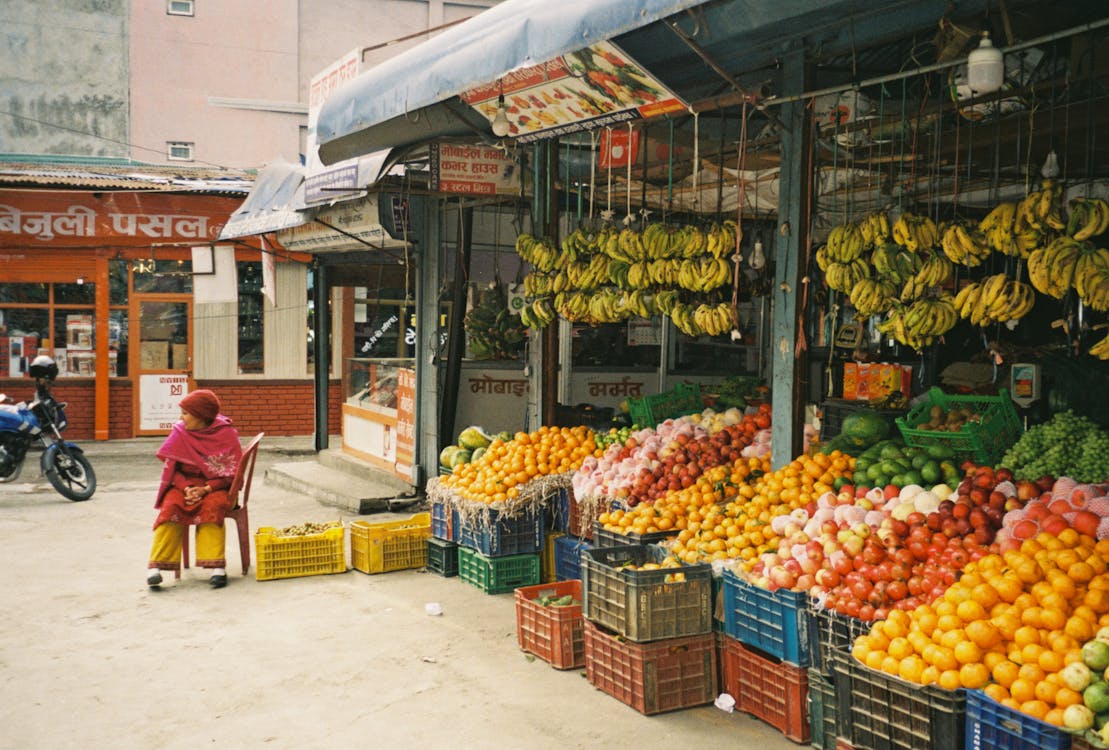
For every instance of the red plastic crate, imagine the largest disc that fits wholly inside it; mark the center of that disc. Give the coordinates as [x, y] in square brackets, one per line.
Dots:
[554, 634]
[651, 677]
[769, 689]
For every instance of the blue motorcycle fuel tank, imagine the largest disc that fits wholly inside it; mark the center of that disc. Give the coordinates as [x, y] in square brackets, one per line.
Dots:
[18, 418]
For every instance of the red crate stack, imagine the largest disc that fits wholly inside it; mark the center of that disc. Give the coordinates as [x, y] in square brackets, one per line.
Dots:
[767, 688]
[553, 633]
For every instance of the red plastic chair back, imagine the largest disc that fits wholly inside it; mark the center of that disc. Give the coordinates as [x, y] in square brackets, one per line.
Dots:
[239, 492]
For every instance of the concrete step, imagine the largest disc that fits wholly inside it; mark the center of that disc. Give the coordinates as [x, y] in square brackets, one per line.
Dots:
[340, 481]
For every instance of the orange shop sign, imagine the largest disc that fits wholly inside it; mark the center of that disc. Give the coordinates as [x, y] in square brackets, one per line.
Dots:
[109, 219]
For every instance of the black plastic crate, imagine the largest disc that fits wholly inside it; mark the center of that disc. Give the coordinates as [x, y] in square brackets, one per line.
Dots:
[442, 557]
[645, 605]
[822, 711]
[878, 711]
[602, 537]
[830, 632]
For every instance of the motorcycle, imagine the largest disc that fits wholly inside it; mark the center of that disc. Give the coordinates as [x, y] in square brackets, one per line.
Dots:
[22, 425]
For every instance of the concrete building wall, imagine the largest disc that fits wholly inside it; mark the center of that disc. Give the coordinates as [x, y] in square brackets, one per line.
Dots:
[224, 79]
[63, 77]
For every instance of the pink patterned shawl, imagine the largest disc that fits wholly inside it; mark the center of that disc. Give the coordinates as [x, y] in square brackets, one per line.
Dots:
[215, 451]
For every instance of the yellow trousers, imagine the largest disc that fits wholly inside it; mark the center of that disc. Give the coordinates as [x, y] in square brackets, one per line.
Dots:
[165, 553]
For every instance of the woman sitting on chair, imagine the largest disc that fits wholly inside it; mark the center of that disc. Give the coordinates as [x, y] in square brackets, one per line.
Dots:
[201, 455]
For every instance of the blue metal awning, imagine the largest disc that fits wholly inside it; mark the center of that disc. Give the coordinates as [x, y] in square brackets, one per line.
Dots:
[275, 202]
[403, 90]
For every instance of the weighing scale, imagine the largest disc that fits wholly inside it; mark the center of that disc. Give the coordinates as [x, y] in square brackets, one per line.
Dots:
[1024, 384]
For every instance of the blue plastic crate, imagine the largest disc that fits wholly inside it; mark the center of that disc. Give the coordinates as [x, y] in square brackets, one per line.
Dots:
[494, 535]
[568, 551]
[559, 508]
[775, 622]
[443, 521]
[992, 726]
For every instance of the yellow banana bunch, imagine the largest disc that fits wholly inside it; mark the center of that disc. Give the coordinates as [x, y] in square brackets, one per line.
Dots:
[1089, 217]
[936, 270]
[665, 271]
[845, 243]
[1040, 209]
[703, 274]
[573, 306]
[997, 228]
[639, 275]
[638, 303]
[538, 314]
[1101, 348]
[996, 299]
[1027, 240]
[682, 316]
[537, 284]
[539, 252]
[578, 244]
[872, 296]
[842, 277]
[630, 246]
[664, 301]
[1051, 269]
[722, 239]
[914, 232]
[875, 229]
[606, 306]
[714, 320]
[1091, 279]
[964, 248]
[913, 289]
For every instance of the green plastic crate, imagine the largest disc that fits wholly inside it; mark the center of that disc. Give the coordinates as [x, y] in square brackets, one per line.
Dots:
[984, 442]
[497, 575]
[651, 410]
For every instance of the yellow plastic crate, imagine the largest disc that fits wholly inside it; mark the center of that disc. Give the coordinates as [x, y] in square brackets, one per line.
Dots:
[296, 556]
[547, 558]
[391, 545]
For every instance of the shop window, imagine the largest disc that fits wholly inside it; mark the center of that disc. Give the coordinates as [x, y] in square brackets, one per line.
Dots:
[28, 293]
[251, 342]
[170, 276]
[22, 332]
[179, 151]
[614, 346]
[81, 293]
[117, 282]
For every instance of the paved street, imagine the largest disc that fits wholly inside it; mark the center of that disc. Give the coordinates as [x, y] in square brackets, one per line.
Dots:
[90, 657]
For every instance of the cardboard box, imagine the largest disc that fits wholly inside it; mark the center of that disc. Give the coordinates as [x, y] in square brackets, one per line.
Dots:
[154, 355]
[179, 359]
[80, 363]
[863, 381]
[78, 329]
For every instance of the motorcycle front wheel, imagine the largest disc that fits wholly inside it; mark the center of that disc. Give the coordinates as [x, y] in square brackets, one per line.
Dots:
[70, 473]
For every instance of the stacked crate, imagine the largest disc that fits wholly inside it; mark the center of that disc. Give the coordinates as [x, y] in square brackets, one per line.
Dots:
[575, 532]
[497, 551]
[442, 551]
[829, 634]
[648, 630]
[766, 651]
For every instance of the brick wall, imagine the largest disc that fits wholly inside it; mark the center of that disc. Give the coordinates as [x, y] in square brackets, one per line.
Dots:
[283, 407]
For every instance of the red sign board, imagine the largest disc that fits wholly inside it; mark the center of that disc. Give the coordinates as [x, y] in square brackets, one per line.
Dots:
[406, 422]
[39, 218]
[472, 170]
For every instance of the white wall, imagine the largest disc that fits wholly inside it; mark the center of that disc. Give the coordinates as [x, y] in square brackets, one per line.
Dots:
[63, 71]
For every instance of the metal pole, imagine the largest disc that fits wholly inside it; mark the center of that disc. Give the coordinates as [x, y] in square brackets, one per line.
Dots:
[321, 330]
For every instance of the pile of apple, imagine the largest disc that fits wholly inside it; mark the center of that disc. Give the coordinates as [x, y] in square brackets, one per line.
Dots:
[864, 551]
[1052, 505]
[654, 462]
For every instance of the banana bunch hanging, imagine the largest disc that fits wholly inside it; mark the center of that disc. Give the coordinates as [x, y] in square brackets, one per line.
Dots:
[918, 325]
[916, 233]
[1091, 279]
[963, 246]
[996, 299]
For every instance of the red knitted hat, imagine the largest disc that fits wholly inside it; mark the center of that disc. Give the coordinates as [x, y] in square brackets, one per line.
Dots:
[202, 404]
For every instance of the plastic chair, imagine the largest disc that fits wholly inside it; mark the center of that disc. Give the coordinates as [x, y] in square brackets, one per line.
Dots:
[239, 492]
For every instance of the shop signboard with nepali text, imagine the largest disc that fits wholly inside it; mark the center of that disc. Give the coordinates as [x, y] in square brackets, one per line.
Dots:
[472, 170]
[594, 87]
[81, 219]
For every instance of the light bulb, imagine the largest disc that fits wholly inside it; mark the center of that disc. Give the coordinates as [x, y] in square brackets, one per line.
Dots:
[985, 67]
[757, 259]
[501, 125]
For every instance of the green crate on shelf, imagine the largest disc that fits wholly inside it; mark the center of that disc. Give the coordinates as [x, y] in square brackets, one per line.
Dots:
[985, 441]
[651, 410]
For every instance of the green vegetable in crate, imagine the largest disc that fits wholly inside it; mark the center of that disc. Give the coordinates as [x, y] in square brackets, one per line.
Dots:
[557, 601]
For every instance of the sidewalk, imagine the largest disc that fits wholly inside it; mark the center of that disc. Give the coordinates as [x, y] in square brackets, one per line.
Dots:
[296, 445]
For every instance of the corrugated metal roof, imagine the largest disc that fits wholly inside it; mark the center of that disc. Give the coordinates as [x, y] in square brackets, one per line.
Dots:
[125, 177]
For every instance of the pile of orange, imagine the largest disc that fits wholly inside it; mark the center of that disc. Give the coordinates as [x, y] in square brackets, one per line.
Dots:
[691, 509]
[1008, 626]
[506, 466]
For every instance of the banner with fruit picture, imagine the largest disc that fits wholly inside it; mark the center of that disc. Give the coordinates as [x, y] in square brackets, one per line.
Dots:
[593, 87]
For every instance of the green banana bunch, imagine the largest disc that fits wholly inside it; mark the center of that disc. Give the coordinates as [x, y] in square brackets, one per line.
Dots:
[664, 301]
[895, 262]
[1089, 217]
[538, 314]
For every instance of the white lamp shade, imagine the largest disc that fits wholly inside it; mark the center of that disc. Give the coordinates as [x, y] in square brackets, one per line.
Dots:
[985, 67]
